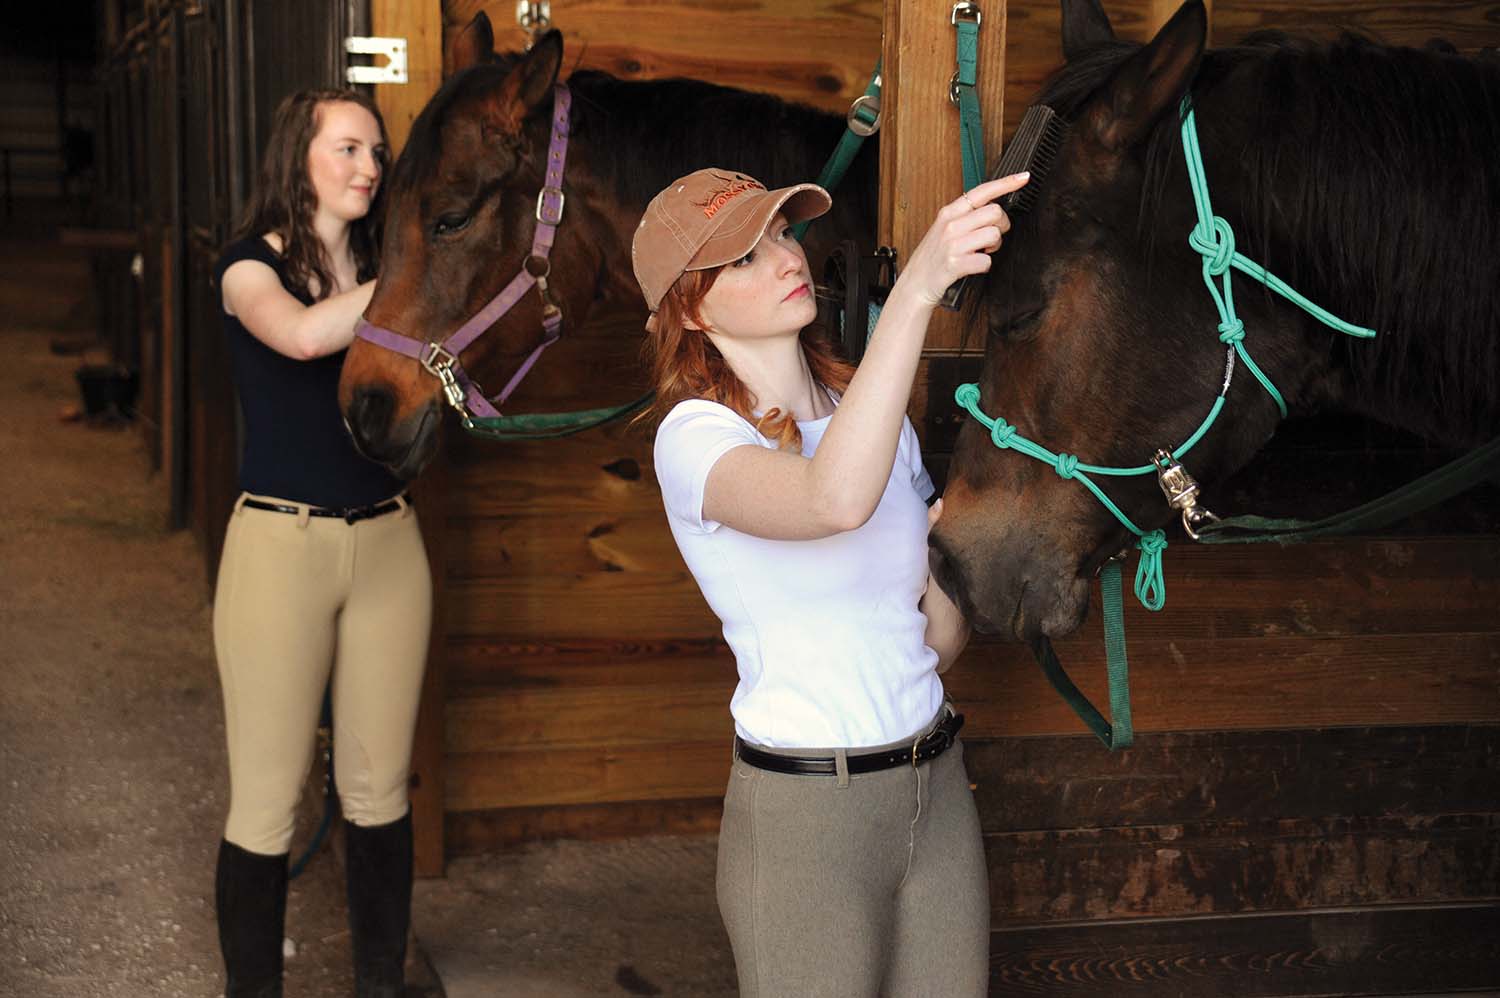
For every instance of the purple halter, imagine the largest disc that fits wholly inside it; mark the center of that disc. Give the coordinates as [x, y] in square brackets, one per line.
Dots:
[441, 358]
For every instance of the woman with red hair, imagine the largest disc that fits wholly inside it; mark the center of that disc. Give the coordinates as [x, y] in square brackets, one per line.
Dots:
[850, 861]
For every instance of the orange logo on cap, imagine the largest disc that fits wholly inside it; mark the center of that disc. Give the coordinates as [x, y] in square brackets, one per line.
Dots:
[733, 187]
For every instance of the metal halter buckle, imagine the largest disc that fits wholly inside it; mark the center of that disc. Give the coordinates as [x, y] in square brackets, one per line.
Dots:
[858, 125]
[1181, 491]
[541, 201]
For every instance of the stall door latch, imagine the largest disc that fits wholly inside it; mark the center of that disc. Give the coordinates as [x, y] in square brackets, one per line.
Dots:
[394, 50]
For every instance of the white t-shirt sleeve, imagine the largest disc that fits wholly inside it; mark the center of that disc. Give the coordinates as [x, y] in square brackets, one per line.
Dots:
[910, 451]
[692, 437]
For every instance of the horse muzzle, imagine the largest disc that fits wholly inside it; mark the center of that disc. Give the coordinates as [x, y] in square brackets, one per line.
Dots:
[1019, 595]
[403, 446]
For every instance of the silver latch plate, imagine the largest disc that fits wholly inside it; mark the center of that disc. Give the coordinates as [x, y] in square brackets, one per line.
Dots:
[394, 49]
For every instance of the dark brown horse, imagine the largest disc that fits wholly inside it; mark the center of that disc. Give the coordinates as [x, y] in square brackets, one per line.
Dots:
[1365, 176]
[462, 210]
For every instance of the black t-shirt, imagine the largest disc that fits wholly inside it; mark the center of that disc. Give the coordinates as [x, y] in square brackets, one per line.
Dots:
[296, 447]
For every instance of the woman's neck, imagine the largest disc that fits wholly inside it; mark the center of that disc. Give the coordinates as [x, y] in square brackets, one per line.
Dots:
[777, 374]
[333, 233]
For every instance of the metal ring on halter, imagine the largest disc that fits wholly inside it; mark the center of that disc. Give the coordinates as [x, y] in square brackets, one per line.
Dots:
[538, 266]
[966, 11]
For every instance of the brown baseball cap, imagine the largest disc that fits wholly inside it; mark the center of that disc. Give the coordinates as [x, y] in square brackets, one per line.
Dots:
[709, 218]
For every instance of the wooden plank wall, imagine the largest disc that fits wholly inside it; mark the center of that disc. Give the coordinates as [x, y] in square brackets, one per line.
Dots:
[1311, 807]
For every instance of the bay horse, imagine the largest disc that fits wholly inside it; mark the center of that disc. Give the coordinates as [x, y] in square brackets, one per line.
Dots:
[1365, 176]
[463, 203]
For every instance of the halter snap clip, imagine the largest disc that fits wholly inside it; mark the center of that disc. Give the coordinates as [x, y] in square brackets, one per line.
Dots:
[1181, 490]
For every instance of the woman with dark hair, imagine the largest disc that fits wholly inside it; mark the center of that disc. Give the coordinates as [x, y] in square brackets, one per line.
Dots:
[850, 863]
[324, 582]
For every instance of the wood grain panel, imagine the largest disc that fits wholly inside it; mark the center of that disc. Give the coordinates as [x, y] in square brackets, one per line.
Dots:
[1269, 864]
[487, 666]
[483, 780]
[818, 52]
[1244, 683]
[602, 717]
[472, 833]
[1376, 951]
[638, 605]
[1035, 784]
[631, 541]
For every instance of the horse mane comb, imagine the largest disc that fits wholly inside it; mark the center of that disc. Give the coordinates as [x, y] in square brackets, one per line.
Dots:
[1034, 147]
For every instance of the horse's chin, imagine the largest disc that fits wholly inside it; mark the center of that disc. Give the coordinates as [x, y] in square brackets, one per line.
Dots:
[409, 445]
[421, 446]
[1053, 606]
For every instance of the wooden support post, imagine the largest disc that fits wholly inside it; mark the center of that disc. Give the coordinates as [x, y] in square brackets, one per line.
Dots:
[920, 164]
[421, 24]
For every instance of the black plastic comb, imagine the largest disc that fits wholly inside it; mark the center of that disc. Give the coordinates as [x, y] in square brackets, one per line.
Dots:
[1034, 147]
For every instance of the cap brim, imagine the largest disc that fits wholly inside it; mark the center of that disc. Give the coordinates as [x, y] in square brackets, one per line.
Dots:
[746, 221]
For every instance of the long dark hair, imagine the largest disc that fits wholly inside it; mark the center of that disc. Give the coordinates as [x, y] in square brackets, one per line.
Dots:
[284, 201]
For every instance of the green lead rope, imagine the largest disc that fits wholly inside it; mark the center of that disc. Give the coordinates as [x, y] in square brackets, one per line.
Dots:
[1213, 239]
[548, 425]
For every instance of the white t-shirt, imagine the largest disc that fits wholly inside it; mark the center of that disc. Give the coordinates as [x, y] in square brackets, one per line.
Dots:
[826, 633]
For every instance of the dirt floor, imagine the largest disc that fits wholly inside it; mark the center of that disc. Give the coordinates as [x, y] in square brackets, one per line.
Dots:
[112, 772]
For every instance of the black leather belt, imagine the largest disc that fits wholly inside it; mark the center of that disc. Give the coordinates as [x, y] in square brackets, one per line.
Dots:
[929, 746]
[349, 514]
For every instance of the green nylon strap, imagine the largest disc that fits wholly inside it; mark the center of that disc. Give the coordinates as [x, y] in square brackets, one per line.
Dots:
[1117, 732]
[970, 124]
[1457, 476]
[549, 425]
[849, 143]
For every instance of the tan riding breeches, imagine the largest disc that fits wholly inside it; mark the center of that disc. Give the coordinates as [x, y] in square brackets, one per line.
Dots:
[298, 598]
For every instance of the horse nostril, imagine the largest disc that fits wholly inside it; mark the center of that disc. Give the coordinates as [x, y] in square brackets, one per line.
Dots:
[370, 415]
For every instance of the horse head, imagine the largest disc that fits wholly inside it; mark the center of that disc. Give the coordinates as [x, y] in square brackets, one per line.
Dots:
[1101, 341]
[464, 203]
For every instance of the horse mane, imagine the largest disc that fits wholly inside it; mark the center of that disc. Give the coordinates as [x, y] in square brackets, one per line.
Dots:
[1371, 183]
[686, 124]
[690, 124]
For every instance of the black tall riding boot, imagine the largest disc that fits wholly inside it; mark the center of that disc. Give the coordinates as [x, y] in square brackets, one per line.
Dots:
[250, 896]
[380, 870]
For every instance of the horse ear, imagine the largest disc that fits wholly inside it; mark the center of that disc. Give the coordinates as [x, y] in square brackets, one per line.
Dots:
[475, 43]
[1151, 81]
[537, 71]
[1084, 25]
[526, 86]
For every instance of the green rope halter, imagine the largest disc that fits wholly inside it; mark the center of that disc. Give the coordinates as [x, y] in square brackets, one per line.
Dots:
[1213, 239]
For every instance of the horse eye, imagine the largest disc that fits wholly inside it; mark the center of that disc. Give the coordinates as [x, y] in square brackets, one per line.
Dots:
[450, 223]
[1021, 322]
